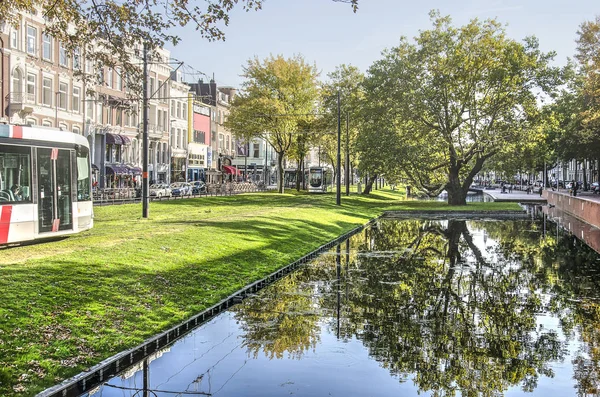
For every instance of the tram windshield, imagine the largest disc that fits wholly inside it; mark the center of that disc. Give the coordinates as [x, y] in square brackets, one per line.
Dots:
[15, 174]
[83, 174]
[316, 177]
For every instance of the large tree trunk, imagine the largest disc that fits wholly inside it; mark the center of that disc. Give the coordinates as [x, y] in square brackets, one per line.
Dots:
[369, 184]
[456, 194]
[280, 172]
[457, 191]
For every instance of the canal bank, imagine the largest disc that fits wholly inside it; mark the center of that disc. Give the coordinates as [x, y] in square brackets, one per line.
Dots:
[585, 206]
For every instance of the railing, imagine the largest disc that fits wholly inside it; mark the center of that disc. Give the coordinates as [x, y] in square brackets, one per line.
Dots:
[111, 196]
[20, 97]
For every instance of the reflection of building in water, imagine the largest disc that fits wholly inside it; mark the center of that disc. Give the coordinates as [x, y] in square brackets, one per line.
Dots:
[583, 231]
[129, 372]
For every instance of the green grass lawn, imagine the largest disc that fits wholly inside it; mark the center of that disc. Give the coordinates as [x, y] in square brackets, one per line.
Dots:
[68, 304]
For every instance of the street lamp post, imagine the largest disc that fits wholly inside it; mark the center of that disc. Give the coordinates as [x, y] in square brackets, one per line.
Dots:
[145, 184]
[338, 198]
[347, 174]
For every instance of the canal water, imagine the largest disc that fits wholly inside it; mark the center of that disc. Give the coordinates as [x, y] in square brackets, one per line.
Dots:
[404, 308]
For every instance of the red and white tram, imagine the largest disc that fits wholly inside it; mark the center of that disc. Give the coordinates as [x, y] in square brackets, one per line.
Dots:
[45, 183]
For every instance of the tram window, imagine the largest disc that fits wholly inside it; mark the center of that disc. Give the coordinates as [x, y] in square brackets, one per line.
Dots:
[15, 174]
[83, 174]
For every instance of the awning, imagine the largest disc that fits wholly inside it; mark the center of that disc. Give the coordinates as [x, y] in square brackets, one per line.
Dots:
[116, 139]
[231, 170]
[135, 170]
[117, 169]
[113, 139]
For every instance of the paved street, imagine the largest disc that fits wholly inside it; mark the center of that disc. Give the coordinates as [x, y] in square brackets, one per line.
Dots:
[522, 196]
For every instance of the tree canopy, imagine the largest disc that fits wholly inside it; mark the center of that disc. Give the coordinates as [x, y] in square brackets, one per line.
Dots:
[277, 102]
[455, 97]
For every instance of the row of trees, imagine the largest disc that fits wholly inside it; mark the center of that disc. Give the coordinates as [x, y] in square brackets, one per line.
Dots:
[437, 110]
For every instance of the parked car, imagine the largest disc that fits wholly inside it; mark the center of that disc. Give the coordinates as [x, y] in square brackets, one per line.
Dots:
[198, 187]
[159, 190]
[180, 189]
[595, 188]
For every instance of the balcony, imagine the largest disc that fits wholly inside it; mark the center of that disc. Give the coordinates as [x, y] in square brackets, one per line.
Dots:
[20, 102]
[155, 131]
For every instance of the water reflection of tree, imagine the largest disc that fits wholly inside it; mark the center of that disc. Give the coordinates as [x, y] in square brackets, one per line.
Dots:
[283, 318]
[451, 317]
[427, 303]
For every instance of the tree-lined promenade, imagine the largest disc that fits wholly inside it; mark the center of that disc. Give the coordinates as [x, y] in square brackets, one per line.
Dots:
[68, 304]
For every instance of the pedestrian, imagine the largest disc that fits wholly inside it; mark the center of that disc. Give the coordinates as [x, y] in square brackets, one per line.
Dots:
[541, 188]
[574, 187]
[510, 188]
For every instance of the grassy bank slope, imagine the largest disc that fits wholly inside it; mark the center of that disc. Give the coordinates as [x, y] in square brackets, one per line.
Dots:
[69, 304]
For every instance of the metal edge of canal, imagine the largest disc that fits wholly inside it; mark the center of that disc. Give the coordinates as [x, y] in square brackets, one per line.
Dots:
[106, 369]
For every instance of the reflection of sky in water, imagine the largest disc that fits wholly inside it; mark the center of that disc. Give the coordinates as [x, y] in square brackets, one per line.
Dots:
[285, 340]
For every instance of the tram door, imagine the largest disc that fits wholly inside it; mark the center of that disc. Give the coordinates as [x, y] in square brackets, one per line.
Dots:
[54, 190]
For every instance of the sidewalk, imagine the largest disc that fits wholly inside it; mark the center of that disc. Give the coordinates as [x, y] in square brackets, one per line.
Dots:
[515, 196]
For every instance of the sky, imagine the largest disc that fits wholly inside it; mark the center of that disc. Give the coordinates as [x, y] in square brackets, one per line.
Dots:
[329, 33]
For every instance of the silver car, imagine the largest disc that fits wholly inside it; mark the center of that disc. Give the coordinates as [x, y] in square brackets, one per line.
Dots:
[160, 190]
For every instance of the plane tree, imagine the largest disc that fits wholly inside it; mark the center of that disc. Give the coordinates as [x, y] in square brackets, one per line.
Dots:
[278, 99]
[456, 96]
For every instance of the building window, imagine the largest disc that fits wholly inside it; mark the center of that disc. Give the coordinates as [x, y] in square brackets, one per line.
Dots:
[185, 139]
[178, 110]
[62, 95]
[47, 47]
[47, 91]
[184, 111]
[14, 39]
[76, 99]
[110, 119]
[119, 85]
[17, 84]
[100, 74]
[63, 127]
[172, 108]
[90, 107]
[227, 142]
[256, 147]
[119, 117]
[63, 59]
[109, 77]
[151, 88]
[31, 86]
[76, 59]
[221, 142]
[76, 130]
[101, 112]
[46, 123]
[199, 136]
[31, 40]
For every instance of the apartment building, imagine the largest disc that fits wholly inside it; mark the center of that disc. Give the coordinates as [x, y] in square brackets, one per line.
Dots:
[178, 128]
[41, 89]
[221, 146]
